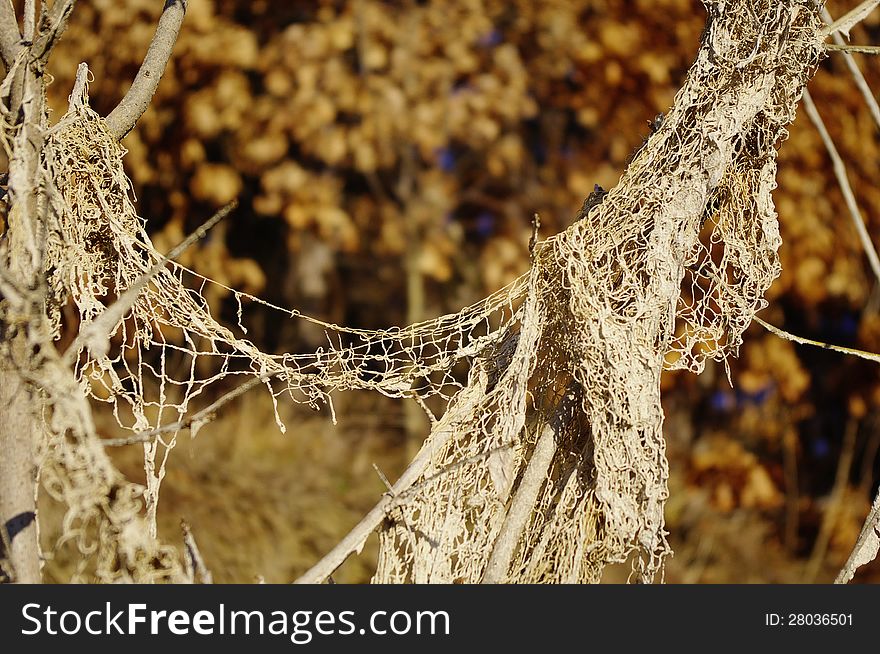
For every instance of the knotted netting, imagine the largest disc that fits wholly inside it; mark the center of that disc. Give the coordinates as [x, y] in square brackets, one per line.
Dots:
[667, 271]
[151, 361]
[548, 463]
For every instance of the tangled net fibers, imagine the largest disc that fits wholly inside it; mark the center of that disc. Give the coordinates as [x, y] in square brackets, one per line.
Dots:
[548, 463]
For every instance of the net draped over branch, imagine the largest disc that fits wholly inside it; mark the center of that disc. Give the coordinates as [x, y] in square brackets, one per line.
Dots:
[667, 271]
[549, 464]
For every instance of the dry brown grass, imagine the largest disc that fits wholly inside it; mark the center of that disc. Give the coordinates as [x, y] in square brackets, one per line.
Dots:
[263, 504]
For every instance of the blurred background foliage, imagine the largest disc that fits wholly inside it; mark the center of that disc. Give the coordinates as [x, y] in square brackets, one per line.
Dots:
[389, 157]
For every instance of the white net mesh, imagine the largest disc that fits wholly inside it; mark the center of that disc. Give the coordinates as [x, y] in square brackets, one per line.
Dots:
[549, 462]
[669, 269]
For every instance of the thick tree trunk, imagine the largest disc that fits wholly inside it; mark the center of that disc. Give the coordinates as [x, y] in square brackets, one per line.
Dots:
[22, 316]
[18, 477]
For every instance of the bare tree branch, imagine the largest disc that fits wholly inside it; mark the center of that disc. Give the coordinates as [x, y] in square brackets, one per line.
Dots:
[20, 400]
[124, 117]
[843, 181]
[10, 37]
[18, 475]
[442, 432]
[58, 18]
[29, 21]
[863, 49]
[845, 23]
[868, 543]
[870, 356]
[521, 506]
[354, 541]
[856, 73]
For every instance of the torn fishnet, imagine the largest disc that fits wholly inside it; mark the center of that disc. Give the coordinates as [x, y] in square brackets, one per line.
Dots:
[666, 272]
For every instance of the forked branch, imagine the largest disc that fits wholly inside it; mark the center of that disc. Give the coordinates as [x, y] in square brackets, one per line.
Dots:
[846, 22]
[854, 70]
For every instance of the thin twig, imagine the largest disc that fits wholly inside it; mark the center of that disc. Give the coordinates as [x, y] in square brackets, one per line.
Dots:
[199, 233]
[195, 565]
[835, 502]
[861, 49]
[383, 478]
[95, 335]
[845, 23]
[442, 433]
[400, 498]
[355, 539]
[870, 356]
[533, 239]
[10, 37]
[421, 402]
[857, 76]
[123, 118]
[199, 418]
[843, 181]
